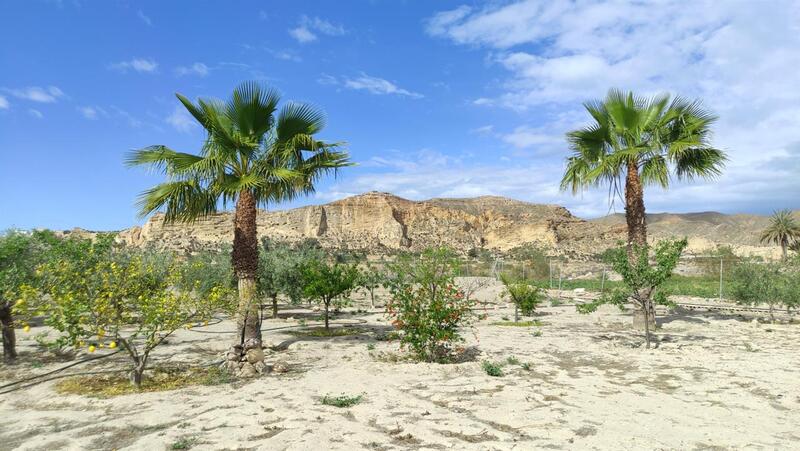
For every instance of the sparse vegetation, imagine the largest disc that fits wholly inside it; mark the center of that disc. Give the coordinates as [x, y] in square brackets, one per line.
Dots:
[329, 283]
[160, 379]
[492, 368]
[525, 296]
[342, 401]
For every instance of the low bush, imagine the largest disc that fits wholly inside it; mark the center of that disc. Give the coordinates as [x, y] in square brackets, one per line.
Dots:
[342, 401]
[426, 305]
[525, 296]
[774, 284]
[492, 369]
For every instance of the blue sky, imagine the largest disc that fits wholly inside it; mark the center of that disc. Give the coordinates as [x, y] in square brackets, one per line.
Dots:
[446, 98]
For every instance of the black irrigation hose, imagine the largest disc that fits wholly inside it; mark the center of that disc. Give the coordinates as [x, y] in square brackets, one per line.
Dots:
[354, 322]
[90, 359]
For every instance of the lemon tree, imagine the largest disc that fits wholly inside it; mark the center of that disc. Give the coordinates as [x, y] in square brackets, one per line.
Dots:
[114, 298]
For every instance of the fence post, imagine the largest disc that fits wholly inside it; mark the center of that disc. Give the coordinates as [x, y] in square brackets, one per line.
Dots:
[603, 282]
[559, 280]
[551, 273]
[720, 279]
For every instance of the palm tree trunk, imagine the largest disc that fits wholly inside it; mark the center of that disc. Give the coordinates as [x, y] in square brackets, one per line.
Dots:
[634, 207]
[9, 338]
[245, 264]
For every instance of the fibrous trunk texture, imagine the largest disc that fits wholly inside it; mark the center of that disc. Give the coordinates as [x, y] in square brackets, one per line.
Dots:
[244, 259]
[634, 207]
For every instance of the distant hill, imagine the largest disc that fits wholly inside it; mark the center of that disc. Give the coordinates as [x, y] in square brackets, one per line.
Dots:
[383, 223]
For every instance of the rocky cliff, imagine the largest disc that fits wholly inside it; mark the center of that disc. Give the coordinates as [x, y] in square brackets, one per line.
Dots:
[384, 223]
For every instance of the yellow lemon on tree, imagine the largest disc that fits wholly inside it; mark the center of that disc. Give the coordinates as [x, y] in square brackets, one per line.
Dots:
[91, 348]
[112, 345]
[27, 328]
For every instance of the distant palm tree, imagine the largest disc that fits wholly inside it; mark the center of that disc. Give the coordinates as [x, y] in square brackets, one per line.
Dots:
[251, 157]
[783, 229]
[645, 141]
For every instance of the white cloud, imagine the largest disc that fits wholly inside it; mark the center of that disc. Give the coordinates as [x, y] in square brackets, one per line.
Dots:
[35, 113]
[285, 55]
[484, 130]
[181, 120]
[199, 69]
[740, 58]
[309, 27]
[141, 65]
[4, 105]
[140, 14]
[91, 112]
[49, 94]
[379, 86]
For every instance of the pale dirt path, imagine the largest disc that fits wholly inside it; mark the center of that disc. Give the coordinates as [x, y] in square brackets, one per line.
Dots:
[713, 383]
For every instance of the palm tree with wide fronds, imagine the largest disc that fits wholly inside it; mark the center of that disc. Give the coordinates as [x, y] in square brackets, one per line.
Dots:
[643, 141]
[254, 154]
[783, 230]
[639, 141]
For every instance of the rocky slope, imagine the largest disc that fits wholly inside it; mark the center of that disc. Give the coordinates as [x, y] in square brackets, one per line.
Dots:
[382, 223]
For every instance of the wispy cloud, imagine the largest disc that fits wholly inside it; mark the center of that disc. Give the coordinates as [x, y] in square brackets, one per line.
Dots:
[35, 113]
[50, 94]
[285, 55]
[181, 120]
[199, 69]
[141, 65]
[91, 112]
[308, 29]
[144, 18]
[370, 84]
[4, 105]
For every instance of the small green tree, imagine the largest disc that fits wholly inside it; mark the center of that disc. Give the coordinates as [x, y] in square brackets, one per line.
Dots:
[281, 269]
[773, 284]
[371, 279]
[426, 305]
[328, 283]
[112, 298]
[20, 253]
[525, 296]
[641, 281]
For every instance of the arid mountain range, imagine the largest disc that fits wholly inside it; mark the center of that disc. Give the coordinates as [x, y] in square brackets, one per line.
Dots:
[380, 223]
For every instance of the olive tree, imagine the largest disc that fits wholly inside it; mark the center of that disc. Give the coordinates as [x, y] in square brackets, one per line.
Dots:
[329, 283]
[525, 296]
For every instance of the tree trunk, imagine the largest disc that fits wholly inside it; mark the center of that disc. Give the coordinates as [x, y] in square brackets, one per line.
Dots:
[784, 245]
[326, 302]
[639, 322]
[9, 337]
[274, 305]
[372, 297]
[516, 313]
[244, 259]
[634, 207]
[136, 375]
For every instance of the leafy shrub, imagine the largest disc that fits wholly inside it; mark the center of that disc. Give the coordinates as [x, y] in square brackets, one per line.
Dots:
[342, 401]
[492, 369]
[525, 296]
[426, 305]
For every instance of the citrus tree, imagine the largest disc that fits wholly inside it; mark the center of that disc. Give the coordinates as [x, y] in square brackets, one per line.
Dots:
[371, 279]
[112, 298]
[20, 253]
[329, 283]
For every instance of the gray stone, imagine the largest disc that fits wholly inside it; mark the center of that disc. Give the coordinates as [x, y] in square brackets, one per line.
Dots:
[254, 355]
[247, 370]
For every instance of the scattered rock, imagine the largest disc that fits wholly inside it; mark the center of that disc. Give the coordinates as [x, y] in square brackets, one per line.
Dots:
[254, 355]
[280, 367]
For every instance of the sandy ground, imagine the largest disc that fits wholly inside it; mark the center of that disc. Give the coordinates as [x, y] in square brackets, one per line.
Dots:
[715, 381]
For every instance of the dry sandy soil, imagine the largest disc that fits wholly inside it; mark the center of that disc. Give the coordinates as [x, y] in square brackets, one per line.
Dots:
[714, 381]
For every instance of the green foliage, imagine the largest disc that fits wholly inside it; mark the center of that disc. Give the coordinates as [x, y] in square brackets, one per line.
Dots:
[783, 230]
[525, 296]
[251, 146]
[371, 278]
[767, 283]
[342, 401]
[426, 305]
[641, 281]
[207, 270]
[517, 323]
[653, 133]
[492, 369]
[104, 296]
[280, 268]
[329, 283]
[534, 259]
[709, 264]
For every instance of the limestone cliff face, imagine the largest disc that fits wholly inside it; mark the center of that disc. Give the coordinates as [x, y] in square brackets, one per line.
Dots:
[381, 223]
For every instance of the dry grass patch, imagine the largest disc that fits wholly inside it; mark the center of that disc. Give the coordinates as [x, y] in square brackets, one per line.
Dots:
[157, 379]
[323, 332]
[532, 323]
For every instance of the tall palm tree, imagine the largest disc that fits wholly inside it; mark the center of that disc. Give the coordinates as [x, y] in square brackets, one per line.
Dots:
[254, 154]
[783, 230]
[646, 141]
